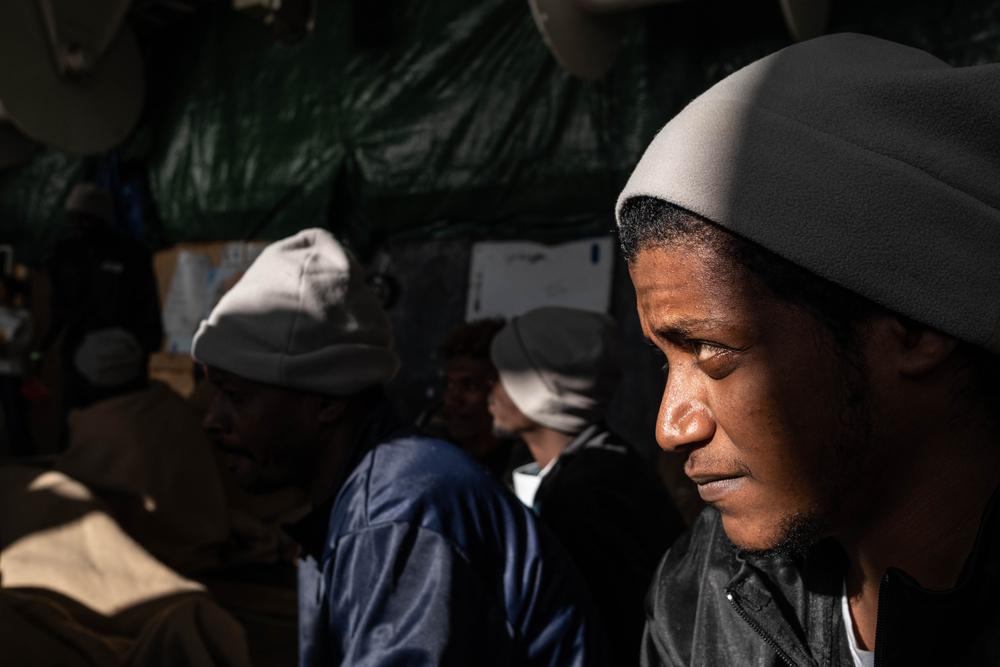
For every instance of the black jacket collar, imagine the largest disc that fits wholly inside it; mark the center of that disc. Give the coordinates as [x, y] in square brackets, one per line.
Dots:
[794, 605]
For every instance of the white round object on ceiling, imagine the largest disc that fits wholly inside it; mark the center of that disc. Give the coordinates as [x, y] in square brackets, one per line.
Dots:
[585, 35]
[92, 106]
[806, 18]
[584, 42]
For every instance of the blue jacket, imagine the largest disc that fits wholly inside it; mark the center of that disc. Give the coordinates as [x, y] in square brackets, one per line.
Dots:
[428, 561]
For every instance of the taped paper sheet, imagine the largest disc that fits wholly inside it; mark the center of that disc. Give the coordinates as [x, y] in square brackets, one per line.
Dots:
[508, 278]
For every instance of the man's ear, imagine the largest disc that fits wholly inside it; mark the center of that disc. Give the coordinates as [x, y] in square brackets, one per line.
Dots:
[331, 410]
[919, 349]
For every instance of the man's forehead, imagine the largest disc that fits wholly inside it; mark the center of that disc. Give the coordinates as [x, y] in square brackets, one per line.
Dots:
[662, 320]
[682, 293]
[661, 271]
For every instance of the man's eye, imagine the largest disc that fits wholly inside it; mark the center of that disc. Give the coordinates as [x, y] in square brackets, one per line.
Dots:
[705, 351]
[235, 397]
[715, 360]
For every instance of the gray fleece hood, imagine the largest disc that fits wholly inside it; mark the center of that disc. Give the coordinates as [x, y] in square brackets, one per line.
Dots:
[871, 164]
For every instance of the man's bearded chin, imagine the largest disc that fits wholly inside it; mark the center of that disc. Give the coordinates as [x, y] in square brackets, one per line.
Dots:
[502, 433]
[799, 533]
[848, 464]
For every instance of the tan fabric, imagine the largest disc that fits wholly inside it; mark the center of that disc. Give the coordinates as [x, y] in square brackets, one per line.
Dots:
[77, 590]
[145, 455]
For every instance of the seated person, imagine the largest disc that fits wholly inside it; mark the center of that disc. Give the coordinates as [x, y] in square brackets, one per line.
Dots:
[412, 554]
[139, 447]
[15, 346]
[813, 244]
[464, 417]
[558, 369]
[102, 278]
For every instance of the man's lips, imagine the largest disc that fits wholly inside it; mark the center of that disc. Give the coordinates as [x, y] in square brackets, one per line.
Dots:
[713, 487]
[238, 461]
[229, 448]
[236, 458]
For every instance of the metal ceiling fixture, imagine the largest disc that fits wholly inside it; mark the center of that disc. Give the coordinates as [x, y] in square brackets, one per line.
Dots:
[586, 35]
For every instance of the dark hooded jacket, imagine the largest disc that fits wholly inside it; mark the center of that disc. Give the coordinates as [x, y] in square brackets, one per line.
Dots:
[423, 559]
[711, 606]
[616, 519]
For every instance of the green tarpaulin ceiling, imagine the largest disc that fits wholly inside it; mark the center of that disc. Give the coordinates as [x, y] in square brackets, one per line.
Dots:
[415, 119]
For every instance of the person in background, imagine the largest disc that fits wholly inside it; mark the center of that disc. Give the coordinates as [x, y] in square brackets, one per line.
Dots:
[140, 450]
[138, 447]
[813, 244]
[101, 279]
[412, 553]
[464, 417]
[558, 369]
[96, 550]
[15, 348]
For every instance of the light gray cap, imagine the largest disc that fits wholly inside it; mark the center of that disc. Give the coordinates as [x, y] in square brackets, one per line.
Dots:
[301, 317]
[871, 164]
[560, 366]
[93, 200]
[109, 358]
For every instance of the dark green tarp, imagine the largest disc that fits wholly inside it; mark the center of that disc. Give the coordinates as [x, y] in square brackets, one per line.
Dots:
[416, 119]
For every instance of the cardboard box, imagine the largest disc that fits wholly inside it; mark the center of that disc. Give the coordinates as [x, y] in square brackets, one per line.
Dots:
[191, 278]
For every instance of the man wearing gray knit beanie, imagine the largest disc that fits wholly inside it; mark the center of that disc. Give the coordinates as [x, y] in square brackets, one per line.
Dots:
[558, 368]
[412, 554]
[813, 244]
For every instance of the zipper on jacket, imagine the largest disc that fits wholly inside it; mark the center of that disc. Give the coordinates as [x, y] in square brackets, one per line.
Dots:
[759, 630]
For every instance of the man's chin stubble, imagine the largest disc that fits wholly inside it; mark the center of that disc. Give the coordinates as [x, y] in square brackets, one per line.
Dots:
[503, 433]
[799, 533]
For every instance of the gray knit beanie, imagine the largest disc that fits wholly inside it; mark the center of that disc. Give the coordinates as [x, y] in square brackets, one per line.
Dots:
[301, 317]
[92, 200]
[560, 366]
[109, 358]
[871, 164]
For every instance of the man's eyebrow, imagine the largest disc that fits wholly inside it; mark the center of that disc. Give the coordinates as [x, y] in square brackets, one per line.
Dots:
[685, 328]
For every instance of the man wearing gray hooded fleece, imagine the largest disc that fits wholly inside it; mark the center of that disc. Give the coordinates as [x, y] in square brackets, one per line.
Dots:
[813, 244]
[412, 554]
[558, 370]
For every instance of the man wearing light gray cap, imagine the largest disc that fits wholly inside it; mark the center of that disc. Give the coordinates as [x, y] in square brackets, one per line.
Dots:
[813, 244]
[412, 554]
[558, 369]
[102, 279]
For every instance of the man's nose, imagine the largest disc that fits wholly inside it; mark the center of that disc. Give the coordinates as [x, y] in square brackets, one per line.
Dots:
[685, 420]
[450, 396]
[212, 423]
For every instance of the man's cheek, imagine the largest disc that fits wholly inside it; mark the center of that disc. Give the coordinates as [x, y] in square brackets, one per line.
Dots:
[243, 470]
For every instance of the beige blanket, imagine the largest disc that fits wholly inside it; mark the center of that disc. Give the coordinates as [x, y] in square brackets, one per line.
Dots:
[145, 455]
[77, 590]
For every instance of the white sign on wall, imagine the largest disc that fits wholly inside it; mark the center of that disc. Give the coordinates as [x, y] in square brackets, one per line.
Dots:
[508, 278]
[197, 285]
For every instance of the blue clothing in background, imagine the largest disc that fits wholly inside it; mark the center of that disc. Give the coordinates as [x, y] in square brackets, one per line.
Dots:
[428, 561]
